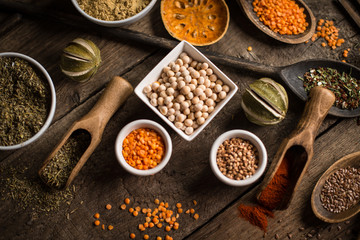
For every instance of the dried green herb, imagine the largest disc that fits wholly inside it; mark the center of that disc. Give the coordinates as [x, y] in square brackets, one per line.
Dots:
[24, 101]
[56, 173]
[26, 189]
[345, 87]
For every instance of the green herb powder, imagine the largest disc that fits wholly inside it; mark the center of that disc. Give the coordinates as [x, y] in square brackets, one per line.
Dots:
[24, 101]
[56, 173]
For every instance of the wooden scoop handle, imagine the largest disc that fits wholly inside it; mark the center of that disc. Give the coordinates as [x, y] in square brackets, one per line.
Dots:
[116, 92]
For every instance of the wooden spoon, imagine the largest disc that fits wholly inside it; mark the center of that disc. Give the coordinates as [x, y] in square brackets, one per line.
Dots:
[292, 39]
[116, 92]
[352, 160]
[298, 146]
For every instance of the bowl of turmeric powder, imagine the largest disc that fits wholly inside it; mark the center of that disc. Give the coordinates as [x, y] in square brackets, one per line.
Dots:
[143, 147]
[113, 13]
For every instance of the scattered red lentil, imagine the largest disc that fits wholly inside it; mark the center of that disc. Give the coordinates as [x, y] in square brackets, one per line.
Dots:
[103, 226]
[135, 213]
[123, 206]
[132, 235]
[108, 206]
[110, 227]
[281, 16]
[146, 236]
[96, 222]
[96, 215]
[127, 200]
[196, 216]
[143, 148]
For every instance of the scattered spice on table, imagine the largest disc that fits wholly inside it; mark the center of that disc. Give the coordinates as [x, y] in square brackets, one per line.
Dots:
[112, 10]
[237, 158]
[27, 190]
[57, 171]
[24, 101]
[282, 16]
[143, 148]
[341, 190]
[163, 215]
[345, 87]
[270, 198]
[328, 31]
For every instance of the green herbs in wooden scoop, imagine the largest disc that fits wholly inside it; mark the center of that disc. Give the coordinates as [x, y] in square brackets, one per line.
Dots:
[57, 171]
[345, 87]
[24, 101]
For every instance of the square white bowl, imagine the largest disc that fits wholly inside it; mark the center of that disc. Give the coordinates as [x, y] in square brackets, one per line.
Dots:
[155, 73]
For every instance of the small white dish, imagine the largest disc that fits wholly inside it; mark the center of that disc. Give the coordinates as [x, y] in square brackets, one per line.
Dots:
[143, 123]
[117, 23]
[246, 135]
[156, 72]
[51, 113]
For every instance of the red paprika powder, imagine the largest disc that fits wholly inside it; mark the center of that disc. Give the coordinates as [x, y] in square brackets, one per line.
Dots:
[269, 199]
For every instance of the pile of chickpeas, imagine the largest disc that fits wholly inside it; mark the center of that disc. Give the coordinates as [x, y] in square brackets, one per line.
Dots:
[186, 92]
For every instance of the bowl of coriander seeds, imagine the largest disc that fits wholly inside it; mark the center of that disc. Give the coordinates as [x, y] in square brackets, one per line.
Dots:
[186, 90]
[27, 100]
[238, 158]
[113, 13]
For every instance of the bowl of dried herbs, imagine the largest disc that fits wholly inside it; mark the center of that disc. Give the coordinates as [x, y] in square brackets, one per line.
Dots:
[27, 100]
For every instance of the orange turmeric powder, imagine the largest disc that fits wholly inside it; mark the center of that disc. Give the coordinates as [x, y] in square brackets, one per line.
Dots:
[143, 148]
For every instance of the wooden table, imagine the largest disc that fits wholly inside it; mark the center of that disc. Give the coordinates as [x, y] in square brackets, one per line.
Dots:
[188, 175]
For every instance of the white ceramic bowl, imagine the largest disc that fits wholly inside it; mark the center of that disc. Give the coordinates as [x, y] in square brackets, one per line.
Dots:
[143, 123]
[246, 136]
[47, 123]
[117, 23]
[156, 72]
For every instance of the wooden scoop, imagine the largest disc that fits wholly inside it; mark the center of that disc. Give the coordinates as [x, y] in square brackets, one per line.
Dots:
[352, 160]
[115, 94]
[298, 147]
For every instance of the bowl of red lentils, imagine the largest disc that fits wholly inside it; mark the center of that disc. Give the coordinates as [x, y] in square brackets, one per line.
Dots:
[143, 147]
[238, 158]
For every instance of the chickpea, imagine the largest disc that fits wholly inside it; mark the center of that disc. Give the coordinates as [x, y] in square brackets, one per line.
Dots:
[164, 80]
[160, 101]
[167, 85]
[176, 106]
[208, 92]
[217, 88]
[177, 113]
[170, 73]
[163, 94]
[180, 98]
[226, 88]
[182, 68]
[176, 93]
[171, 111]
[204, 66]
[189, 130]
[194, 82]
[166, 69]
[180, 118]
[192, 87]
[198, 66]
[153, 102]
[186, 111]
[204, 108]
[170, 105]
[221, 83]
[201, 80]
[172, 79]
[181, 84]
[170, 91]
[209, 102]
[179, 125]
[149, 94]
[207, 83]
[198, 114]
[186, 59]
[195, 74]
[167, 100]
[179, 61]
[161, 88]
[202, 87]
[198, 91]
[188, 122]
[171, 118]
[189, 96]
[184, 105]
[211, 109]
[214, 96]
[200, 121]
[205, 115]
[202, 97]
[163, 110]
[213, 77]
[191, 116]
[202, 73]
[185, 73]
[188, 79]
[222, 95]
[191, 69]
[193, 63]
[174, 85]
[147, 89]
[185, 90]
[198, 107]
[195, 125]
[171, 64]
[209, 71]
[195, 100]
[153, 96]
